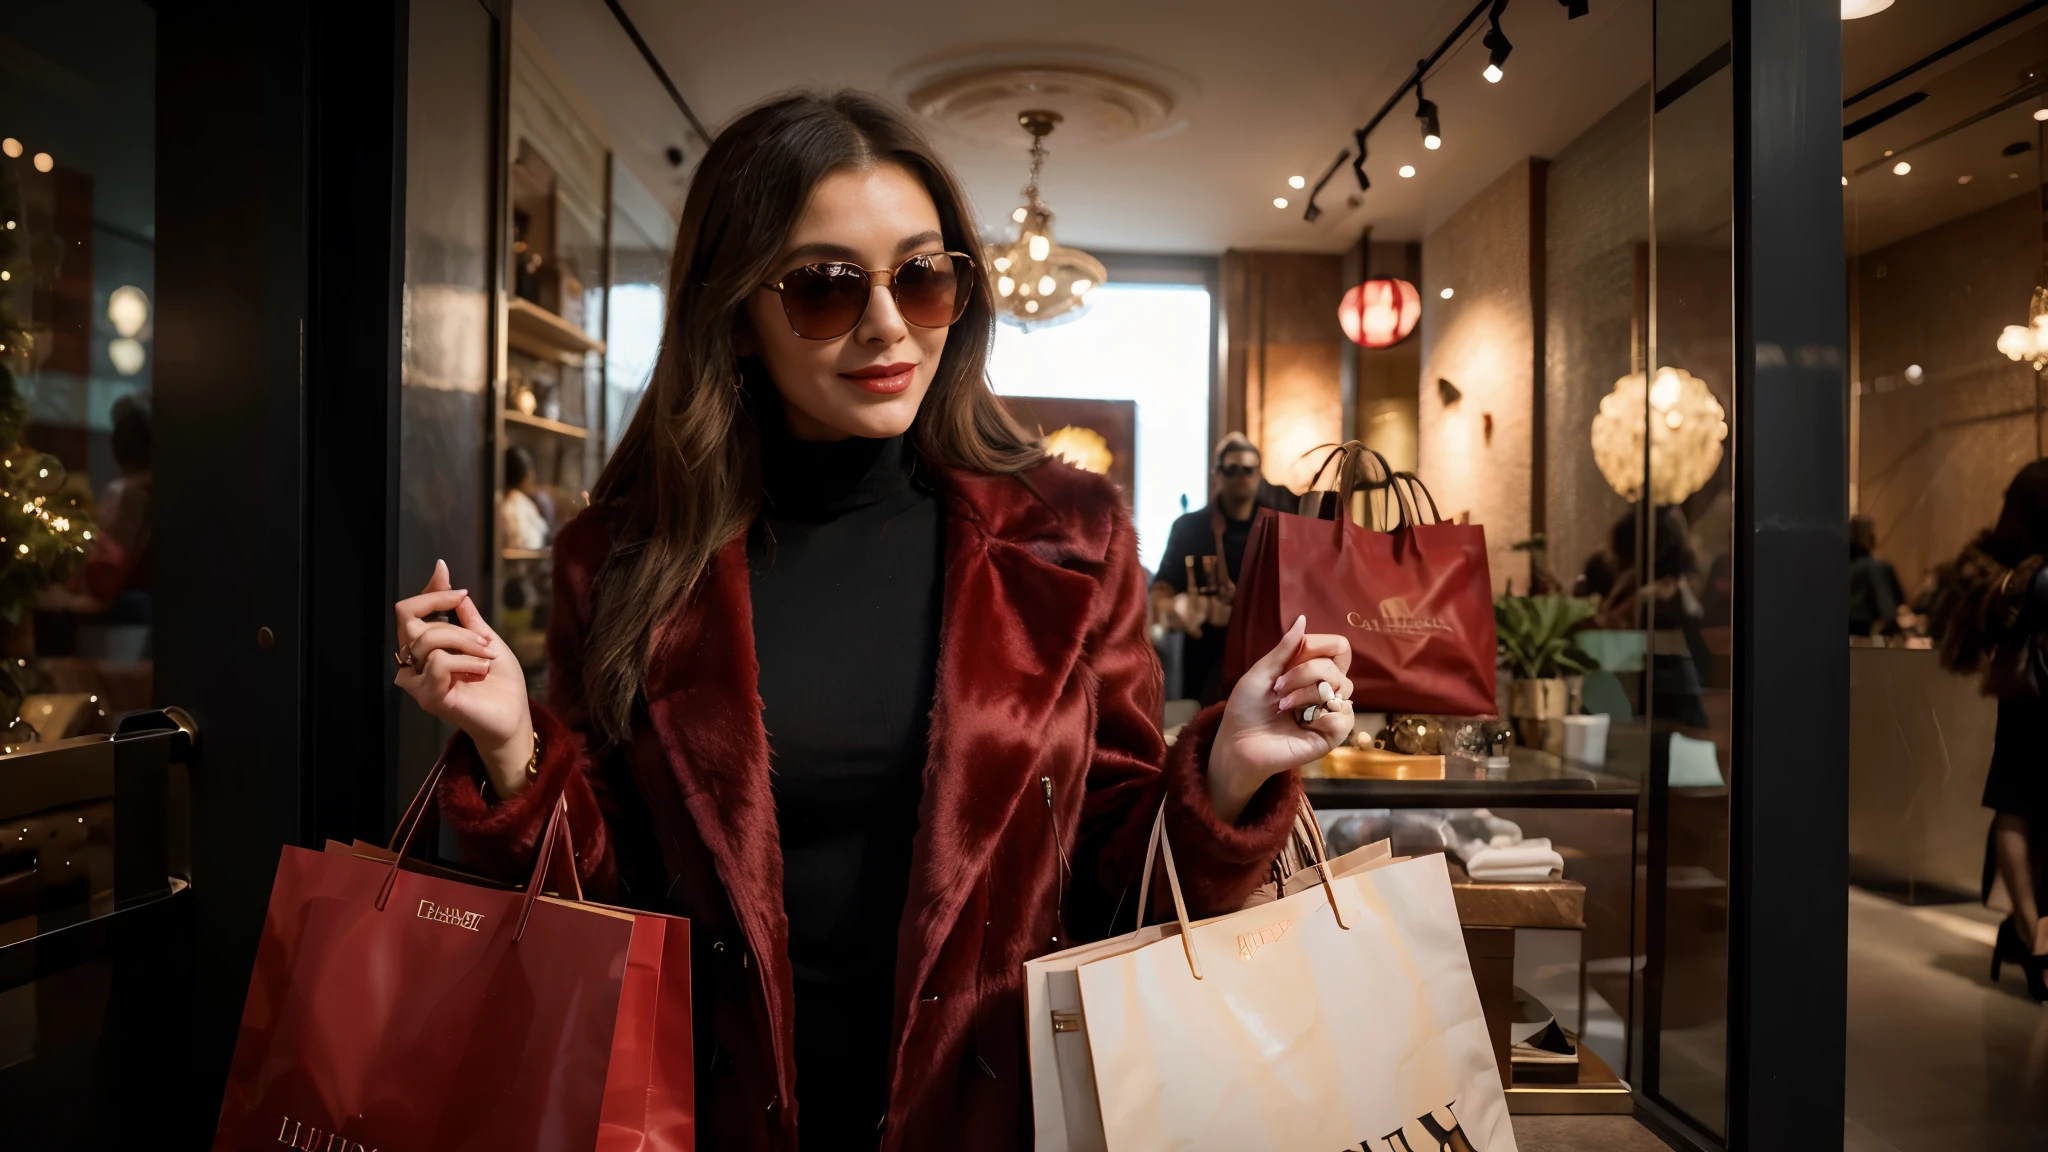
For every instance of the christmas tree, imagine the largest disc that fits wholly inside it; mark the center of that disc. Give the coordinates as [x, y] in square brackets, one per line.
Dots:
[45, 529]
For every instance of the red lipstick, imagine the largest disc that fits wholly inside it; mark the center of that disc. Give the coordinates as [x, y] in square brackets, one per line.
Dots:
[885, 379]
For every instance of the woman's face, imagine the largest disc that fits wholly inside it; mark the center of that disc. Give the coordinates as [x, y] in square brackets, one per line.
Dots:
[870, 381]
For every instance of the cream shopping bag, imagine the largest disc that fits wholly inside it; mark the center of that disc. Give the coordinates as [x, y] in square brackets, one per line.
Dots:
[1066, 1114]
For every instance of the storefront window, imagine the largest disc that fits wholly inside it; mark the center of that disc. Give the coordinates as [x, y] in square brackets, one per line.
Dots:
[77, 287]
[1685, 599]
[1145, 343]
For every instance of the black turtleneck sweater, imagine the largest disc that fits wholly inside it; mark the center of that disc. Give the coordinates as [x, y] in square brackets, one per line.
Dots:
[846, 559]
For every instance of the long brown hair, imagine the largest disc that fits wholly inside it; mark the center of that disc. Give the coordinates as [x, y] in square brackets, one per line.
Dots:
[686, 476]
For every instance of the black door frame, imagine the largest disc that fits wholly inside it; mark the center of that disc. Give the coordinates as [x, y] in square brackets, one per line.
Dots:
[1788, 838]
[280, 144]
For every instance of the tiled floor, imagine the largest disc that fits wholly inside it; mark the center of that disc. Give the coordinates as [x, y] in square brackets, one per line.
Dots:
[1584, 1134]
[1939, 1057]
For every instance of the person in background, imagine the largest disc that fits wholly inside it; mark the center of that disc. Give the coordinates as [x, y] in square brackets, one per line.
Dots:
[1992, 618]
[1220, 529]
[1877, 603]
[520, 520]
[1678, 650]
[120, 571]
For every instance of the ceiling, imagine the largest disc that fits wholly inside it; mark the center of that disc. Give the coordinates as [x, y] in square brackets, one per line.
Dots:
[1974, 107]
[1266, 92]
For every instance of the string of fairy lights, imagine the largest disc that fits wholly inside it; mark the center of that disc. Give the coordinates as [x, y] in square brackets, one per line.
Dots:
[1428, 119]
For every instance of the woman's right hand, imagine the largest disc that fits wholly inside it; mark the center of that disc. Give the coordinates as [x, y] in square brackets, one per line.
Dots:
[464, 674]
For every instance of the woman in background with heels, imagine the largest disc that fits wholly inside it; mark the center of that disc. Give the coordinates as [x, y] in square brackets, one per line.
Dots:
[1996, 624]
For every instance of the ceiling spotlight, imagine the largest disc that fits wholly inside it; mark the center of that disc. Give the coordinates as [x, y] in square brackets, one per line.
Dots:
[1425, 115]
[1297, 182]
[1407, 170]
[1573, 9]
[1446, 293]
[43, 162]
[1858, 9]
[1019, 215]
[1497, 46]
[1358, 165]
[1901, 168]
[11, 147]
[2041, 113]
[1279, 201]
[1845, 181]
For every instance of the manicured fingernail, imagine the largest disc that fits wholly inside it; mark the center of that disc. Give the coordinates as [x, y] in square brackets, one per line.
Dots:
[1301, 622]
[1324, 692]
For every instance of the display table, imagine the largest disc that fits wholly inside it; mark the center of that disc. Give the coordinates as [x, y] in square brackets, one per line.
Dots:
[1533, 779]
[1581, 810]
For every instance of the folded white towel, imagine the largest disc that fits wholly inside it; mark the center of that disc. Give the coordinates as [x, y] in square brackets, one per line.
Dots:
[1529, 860]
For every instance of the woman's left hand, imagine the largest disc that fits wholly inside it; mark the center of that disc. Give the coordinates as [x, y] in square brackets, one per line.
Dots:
[1259, 737]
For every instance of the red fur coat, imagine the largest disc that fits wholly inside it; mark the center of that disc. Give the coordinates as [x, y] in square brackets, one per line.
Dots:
[1045, 673]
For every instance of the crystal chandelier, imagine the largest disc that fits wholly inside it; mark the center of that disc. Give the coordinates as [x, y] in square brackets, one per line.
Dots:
[2029, 342]
[1037, 280]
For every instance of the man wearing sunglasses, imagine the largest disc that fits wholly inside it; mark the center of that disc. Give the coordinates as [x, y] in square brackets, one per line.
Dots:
[1197, 578]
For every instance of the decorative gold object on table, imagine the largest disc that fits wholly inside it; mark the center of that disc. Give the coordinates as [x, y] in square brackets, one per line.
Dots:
[1348, 763]
[1415, 735]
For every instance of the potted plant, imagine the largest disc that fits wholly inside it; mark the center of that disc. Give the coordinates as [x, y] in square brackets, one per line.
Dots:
[1537, 646]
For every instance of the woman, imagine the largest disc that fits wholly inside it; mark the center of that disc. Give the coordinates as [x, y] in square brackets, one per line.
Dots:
[844, 670]
[1991, 617]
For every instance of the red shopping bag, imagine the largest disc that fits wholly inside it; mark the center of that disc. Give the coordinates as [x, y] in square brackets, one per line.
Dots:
[396, 1009]
[1416, 603]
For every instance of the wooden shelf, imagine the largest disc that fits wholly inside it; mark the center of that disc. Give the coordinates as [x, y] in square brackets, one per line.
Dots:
[527, 553]
[536, 331]
[515, 416]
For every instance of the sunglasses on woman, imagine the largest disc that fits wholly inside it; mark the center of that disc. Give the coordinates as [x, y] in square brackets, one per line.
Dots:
[826, 301]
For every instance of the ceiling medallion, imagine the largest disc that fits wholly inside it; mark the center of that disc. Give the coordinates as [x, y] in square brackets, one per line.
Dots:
[1099, 98]
[1037, 280]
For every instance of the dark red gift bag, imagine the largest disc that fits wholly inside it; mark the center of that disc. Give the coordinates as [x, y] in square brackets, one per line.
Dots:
[1416, 603]
[393, 1009]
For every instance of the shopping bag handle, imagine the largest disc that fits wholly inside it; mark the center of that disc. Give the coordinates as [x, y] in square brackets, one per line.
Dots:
[1159, 847]
[1156, 847]
[416, 813]
[1401, 488]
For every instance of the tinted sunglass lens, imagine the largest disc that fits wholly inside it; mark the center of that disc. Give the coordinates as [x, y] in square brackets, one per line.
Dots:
[1238, 469]
[932, 291]
[824, 301]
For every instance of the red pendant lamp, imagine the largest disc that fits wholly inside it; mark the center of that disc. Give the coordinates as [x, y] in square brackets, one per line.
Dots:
[1380, 313]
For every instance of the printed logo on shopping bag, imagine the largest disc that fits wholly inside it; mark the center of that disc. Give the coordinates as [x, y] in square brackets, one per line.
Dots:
[1247, 945]
[295, 1134]
[1396, 618]
[447, 915]
[1437, 1137]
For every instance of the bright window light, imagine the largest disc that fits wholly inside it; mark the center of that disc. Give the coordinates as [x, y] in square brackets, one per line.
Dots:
[1143, 342]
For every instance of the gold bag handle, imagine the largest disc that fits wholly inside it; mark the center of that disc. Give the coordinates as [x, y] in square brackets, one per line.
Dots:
[1160, 846]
